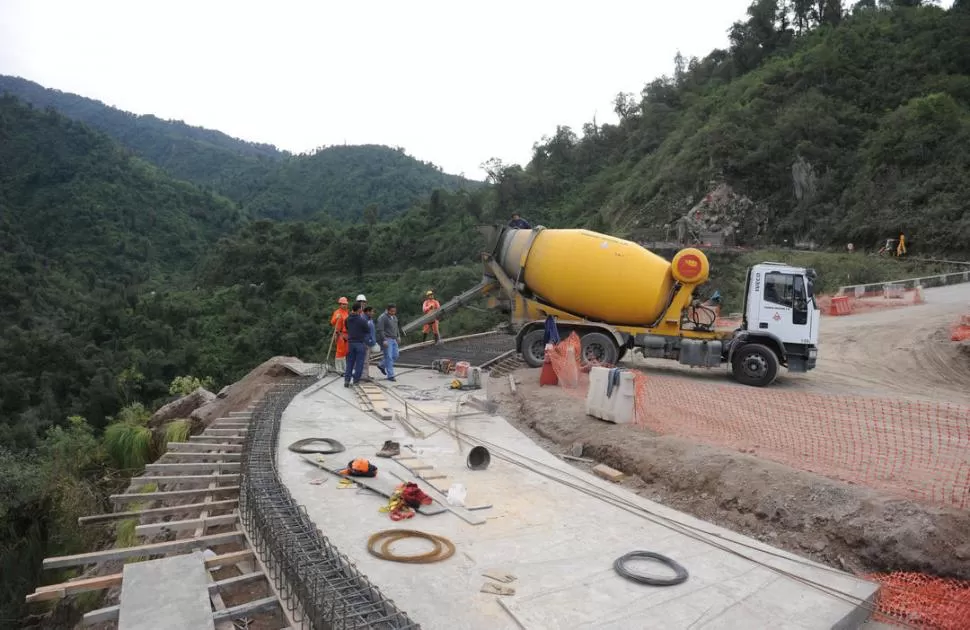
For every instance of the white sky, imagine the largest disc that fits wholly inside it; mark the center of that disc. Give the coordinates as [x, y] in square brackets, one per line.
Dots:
[454, 83]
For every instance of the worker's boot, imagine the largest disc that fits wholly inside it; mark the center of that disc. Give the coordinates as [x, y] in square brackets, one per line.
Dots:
[390, 449]
[424, 337]
[437, 338]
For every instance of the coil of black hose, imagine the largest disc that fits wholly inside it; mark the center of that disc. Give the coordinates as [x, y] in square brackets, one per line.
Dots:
[619, 565]
[301, 446]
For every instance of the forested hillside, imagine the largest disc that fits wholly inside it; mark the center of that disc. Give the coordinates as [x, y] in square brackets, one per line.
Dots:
[337, 181]
[135, 250]
[839, 127]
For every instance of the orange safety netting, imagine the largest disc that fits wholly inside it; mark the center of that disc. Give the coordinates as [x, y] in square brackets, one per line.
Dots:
[915, 449]
[910, 448]
[922, 601]
[961, 329]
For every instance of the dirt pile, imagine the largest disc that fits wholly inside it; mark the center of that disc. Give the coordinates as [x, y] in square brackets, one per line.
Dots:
[845, 526]
[244, 391]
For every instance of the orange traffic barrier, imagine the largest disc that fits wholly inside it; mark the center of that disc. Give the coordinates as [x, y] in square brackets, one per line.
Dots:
[840, 305]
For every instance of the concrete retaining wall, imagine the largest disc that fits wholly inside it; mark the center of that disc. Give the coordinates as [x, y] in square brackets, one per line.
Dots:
[941, 280]
[618, 408]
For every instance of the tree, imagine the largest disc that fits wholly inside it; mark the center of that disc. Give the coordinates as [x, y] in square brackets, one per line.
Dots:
[625, 106]
[680, 68]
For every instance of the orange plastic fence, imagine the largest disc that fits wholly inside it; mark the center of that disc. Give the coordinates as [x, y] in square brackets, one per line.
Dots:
[875, 300]
[921, 601]
[914, 449]
[961, 329]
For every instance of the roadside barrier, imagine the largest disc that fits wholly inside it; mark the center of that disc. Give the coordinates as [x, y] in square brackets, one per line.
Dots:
[923, 601]
[840, 305]
[961, 329]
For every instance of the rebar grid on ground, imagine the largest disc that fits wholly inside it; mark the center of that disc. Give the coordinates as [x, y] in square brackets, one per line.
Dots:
[319, 585]
[476, 349]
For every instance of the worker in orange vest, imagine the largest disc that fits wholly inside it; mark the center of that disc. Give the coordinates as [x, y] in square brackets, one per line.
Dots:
[430, 304]
[901, 245]
[339, 322]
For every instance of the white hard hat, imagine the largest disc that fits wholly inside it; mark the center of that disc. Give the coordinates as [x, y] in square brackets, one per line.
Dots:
[361, 298]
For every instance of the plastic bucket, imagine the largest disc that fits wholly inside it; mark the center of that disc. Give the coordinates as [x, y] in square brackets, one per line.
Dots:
[478, 458]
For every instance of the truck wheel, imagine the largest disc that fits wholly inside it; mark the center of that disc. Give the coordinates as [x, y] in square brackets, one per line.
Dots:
[599, 348]
[533, 350]
[754, 364]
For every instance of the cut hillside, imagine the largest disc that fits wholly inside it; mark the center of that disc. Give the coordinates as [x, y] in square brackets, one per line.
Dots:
[846, 131]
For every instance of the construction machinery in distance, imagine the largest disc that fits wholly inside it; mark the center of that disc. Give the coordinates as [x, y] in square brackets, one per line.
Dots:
[618, 296]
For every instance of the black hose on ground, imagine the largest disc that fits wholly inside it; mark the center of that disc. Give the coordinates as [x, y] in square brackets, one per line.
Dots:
[300, 446]
[620, 567]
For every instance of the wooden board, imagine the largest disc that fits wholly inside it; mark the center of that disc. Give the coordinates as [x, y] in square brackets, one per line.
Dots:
[384, 486]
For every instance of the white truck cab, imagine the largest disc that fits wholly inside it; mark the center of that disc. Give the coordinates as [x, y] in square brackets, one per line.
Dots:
[780, 313]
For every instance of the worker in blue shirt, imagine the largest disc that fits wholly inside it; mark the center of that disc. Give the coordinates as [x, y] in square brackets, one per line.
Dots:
[519, 223]
[357, 333]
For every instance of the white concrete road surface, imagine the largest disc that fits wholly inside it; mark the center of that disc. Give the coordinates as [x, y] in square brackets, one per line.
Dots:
[559, 541]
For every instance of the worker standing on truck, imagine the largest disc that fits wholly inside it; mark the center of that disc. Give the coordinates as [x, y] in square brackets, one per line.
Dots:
[901, 245]
[430, 304]
[338, 319]
[519, 223]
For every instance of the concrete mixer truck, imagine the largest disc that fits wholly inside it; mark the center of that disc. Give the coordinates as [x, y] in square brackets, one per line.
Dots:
[618, 296]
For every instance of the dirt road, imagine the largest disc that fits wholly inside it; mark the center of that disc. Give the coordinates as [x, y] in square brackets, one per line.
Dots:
[902, 352]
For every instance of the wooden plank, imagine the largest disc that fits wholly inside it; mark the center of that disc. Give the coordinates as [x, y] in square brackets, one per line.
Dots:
[191, 523]
[192, 467]
[231, 431]
[171, 457]
[216, 439]
[610, 474]
[137, 482]
[101, 615]
[97, 519]
[106, 555]
[512, 383]
[201, 447]
[100, 583]
[144, 497]
[244, 610]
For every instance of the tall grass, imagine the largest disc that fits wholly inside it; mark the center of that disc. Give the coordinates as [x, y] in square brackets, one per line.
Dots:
[125, 535]
[128, 445]
[176, 431]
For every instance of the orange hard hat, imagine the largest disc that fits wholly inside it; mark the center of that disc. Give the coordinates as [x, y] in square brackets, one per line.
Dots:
[342, 300]
[360, 465]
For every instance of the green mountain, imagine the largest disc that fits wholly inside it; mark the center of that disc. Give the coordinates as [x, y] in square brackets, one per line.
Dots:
[84, 227]
[830, 127]
[338, 182]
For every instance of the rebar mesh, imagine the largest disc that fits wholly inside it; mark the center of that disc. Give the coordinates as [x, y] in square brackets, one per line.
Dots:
[476, 349]
[319, 585]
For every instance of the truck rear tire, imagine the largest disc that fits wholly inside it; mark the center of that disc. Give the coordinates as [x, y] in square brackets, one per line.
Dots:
[533, 350]
[599, 348]
[755, 365]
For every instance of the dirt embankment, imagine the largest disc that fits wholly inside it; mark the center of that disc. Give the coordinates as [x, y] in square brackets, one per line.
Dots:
[845, 526]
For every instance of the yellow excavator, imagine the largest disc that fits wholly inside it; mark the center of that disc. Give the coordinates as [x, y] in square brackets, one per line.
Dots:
[617, 296]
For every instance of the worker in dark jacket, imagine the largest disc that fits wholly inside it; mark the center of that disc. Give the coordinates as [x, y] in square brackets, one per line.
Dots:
[358, 332]
[519, 223]
[388, 336]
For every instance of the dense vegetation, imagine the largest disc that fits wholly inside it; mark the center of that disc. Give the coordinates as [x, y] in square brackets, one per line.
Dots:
[337, 181]
[119, 278]
[872, 107]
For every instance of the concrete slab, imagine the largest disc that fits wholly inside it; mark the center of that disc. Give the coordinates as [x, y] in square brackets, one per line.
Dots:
[166, 594]
[559, 541]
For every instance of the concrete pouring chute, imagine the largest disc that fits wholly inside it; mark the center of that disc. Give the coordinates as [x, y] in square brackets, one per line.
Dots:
[618, 296]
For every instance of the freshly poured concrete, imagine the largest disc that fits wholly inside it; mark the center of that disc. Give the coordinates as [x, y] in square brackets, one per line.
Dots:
[559, 542]
[166, 594]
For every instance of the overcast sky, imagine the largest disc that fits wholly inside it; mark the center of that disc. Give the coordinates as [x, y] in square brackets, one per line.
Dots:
[454, 83]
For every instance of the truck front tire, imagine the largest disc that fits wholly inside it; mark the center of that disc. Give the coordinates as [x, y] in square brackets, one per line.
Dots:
[533, 350]
[755, 365]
